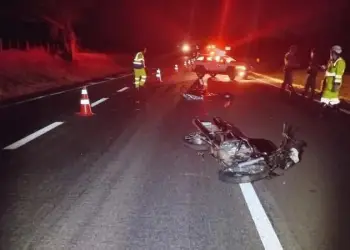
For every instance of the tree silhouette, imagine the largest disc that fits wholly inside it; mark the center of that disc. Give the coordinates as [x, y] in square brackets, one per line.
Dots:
[61, 15]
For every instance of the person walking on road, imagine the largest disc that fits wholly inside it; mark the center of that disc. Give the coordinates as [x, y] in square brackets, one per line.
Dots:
[312, 71]
[140, 72]
[290, 64]
[333, 77]
[139, 69]
[159, 75]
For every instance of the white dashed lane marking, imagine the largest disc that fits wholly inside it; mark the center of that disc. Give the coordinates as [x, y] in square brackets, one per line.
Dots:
[33, 136]
[99, 101]
[123, 89]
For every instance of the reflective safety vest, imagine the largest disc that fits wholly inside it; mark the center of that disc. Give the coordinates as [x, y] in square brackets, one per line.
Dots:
[334, 75]
[158, 73]
[176, 67]
[139, 61]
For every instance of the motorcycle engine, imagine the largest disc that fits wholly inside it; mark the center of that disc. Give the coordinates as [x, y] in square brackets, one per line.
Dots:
[229, 153]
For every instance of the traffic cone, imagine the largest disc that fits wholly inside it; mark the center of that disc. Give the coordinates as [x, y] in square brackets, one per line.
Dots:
[85, 107]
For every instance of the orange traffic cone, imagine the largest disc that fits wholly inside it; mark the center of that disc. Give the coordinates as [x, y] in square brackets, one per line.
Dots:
[85, 107]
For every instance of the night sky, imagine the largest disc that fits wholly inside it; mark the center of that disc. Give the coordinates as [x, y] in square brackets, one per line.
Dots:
[110, 25]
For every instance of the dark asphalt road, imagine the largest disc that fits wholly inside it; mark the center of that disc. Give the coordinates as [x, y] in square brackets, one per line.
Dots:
[123, 180]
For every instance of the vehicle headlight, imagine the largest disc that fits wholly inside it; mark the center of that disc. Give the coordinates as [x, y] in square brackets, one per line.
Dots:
[241, 67]
[186, 48]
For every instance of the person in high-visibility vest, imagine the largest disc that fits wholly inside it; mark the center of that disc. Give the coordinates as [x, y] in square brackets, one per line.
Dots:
[333, 77]
[176, 68]
[139, 69]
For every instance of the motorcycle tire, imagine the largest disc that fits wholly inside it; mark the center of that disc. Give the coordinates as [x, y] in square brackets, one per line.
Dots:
[239, 177]
[193, 145]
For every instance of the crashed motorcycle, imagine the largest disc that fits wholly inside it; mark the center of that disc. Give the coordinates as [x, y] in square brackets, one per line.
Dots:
[197, 92]
[243, 159]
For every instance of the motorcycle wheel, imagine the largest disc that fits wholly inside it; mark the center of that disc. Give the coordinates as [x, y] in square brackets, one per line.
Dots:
[239, 177]
[192, 141]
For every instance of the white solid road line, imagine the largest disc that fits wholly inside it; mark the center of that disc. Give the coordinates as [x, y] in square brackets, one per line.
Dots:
[107, 79]
[65, 91]
[95, 83]
[33, 136]
[345, 111]
[99, 101]
[123, 89]
[262, 223]
[263, 81]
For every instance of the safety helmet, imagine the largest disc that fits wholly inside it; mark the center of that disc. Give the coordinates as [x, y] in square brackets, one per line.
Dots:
[337, 49]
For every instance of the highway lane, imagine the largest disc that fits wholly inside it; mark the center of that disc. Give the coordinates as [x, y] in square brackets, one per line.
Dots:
[308, 200]
[116, 183]
[22, 118]
[123, 180]
[309, 204]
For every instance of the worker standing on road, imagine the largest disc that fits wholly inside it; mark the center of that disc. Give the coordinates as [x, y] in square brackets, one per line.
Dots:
[290, 64]
[333, 77]
[139, 69]
[312, 71]
[140, 72]
[176, 68]
[158, 75]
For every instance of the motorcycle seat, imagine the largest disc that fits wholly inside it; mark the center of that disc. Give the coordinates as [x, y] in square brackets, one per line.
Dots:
[261, 145]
